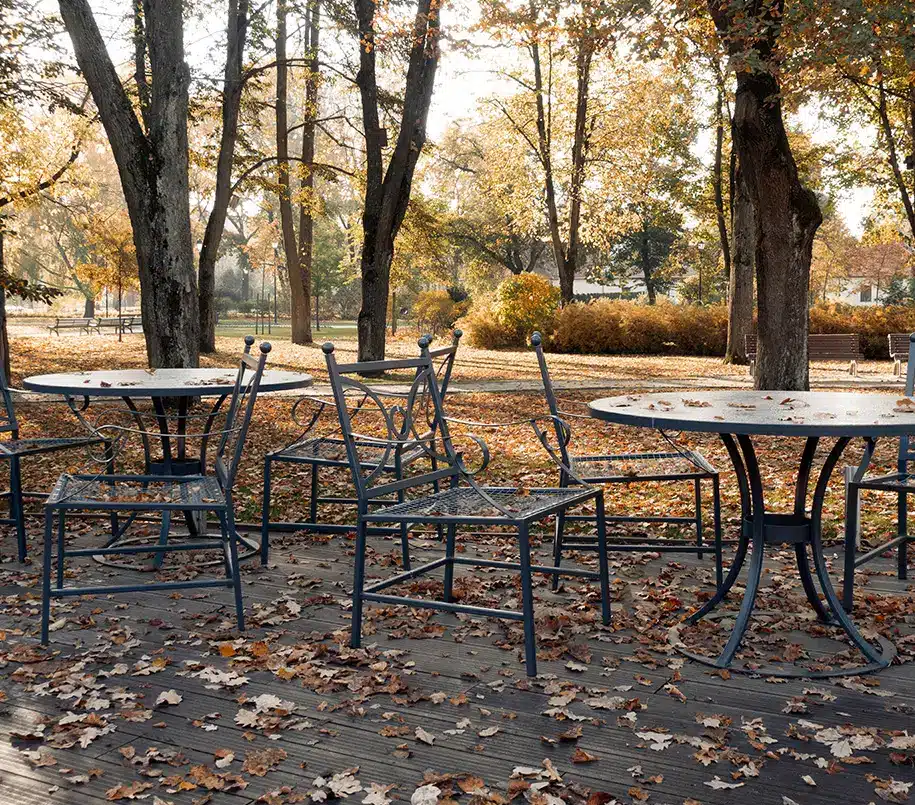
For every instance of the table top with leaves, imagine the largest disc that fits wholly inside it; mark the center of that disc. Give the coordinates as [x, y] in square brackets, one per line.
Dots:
[763, 413]
[158, 382]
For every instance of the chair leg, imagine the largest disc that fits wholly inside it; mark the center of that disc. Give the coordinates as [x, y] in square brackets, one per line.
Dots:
[558, 533]
[227, 521]
[61, 552]
[449, 567]
[46, 574]
[265, 514]
[698, 495]
[902, 551]
[16, 507]
[313, 502]
[527, 601]
[358, 583]
[716, 509]
[404, 527]
[852, 495]
[109, 470]
[603, 561]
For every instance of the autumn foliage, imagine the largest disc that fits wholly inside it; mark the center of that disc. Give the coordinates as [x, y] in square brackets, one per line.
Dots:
[606, 326]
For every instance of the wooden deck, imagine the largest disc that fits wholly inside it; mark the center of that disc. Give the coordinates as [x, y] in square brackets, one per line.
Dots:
[155, 698]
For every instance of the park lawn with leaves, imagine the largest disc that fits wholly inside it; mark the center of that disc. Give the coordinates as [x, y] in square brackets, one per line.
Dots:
[159, 699]
[39, 354]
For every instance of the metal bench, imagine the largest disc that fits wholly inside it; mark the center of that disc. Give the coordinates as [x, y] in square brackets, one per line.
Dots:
[822, 347]
[79, 324]
[899, 351]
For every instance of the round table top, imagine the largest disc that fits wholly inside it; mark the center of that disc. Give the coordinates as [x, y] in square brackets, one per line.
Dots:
[763, 413]
[158, 382]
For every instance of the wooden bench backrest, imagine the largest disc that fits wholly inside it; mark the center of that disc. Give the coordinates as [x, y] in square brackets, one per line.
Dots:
[72, 321]
[824, 346]
[899, 346]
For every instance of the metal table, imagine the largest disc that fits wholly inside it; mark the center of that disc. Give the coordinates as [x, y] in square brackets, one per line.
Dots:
[161, 386]
[737, 416]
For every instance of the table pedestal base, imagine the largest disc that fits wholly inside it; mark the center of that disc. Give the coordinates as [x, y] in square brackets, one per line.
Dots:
[798, 528]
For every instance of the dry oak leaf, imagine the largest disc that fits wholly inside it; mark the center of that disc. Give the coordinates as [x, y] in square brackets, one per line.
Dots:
[424, 736]
[127, 791]
[169, 697]
[581, 756]
[260, 761]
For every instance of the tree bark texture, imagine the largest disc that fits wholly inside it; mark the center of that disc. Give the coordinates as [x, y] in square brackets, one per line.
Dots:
[740, 281]
[233, 83]
[301, 324]
[153, 168]
[718, 183]
[786, 213]
[298, 292]
[387, 190]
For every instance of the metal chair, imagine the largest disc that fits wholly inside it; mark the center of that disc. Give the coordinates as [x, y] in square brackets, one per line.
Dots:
[330, 451]
[629, 468]
[15, 449]
[161, 493]
[463, 503]
[902, 482]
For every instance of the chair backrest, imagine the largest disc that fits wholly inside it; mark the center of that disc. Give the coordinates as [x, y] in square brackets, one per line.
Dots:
[905, 453]
[399, 417]
[8, 422]
[562, 436]
[238, 417]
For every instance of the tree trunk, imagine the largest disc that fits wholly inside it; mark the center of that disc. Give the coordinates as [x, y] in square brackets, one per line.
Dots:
[786, 217]
[545, 149]
[153, 169]
[89, 307]
[740, 282]
[4, 331]
[786, 213]
[718, 183]
[569, 266]
[647, 275]
[387, 192]
[301, 325]
[393, 312]
[236, 33]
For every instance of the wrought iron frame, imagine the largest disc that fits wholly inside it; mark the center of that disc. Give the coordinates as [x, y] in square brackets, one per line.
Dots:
[401, 433]
[15, 494]
[704, 472]
[443, 358]
[856, 480]
[761, 528]
[226, 462]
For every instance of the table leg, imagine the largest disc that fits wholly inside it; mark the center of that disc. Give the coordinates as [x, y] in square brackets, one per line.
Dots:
[744, 541]
[761, 528]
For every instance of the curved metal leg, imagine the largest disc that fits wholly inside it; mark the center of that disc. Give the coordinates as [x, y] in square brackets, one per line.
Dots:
[559, 528]
[697, 484]
[819, 561]
[725, 586]
[756, 558]
[813, 597]
[716, 504]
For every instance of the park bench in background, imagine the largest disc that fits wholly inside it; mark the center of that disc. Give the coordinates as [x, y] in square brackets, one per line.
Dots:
[123, 324]
[80, 325]
[823, 347]
[899, 351]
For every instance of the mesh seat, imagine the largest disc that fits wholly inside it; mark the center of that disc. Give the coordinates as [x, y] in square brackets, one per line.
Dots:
[641, 466]
[153, 492]
[331, 451]
[25, 447]
[466, 503]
